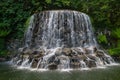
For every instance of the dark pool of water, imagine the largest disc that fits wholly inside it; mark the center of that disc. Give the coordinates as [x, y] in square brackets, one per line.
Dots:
[8, 72]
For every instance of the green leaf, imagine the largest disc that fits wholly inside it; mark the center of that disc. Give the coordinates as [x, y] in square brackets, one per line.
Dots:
[116, 33]
[114, 51]
[102, 38]
[48, 1]
[4, 33]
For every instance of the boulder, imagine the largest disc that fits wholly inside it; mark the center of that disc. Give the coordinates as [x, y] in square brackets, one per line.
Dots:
[100, 53]
[66, 51]
[34, 63]
[27, 51]
[58, 52]
[24, 56]
[42, 51]
[90, 63]
[79, 51]
[75, 65]
[92, 57]
[74, 62]
[82, 57]
[52, 66]
[38, 53]
[20, 50]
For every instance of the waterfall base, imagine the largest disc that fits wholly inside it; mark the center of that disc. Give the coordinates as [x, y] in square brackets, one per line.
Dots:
[62, 58]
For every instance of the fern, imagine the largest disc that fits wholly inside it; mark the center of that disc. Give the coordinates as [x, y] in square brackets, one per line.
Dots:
[102, 38]
[4, 33]
[116, 33]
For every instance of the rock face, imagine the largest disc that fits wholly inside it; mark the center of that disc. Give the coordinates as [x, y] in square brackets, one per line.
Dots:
[60, 39]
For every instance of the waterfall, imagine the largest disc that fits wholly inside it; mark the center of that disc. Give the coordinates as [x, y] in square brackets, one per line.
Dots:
[61, 39]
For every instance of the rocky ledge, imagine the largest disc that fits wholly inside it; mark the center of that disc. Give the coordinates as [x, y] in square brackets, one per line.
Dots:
[62, 58]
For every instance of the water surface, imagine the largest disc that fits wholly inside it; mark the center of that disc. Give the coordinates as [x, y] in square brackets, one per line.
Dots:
[8, 72]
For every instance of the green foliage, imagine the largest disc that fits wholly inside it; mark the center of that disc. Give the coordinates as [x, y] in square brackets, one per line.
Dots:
[105, 14]
[116, 33]
[102, 38]
[1, 44]
[4, 29]
[118, 43]
[4, 33]
[48, 1]
[66, 2]
[115, 51]
[4, 53]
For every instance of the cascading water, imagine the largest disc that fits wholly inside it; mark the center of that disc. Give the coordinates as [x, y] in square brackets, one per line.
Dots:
[61, 39]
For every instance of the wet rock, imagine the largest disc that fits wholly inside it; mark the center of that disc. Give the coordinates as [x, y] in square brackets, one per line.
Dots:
[42, 51]
[51, 59]
[66, 51]
[74, 62]
[58, 52]
[52, 66]
[78, 51]
[82, 57]
[90, 63]
[24, 56]
[116, 58]
[88, 51]
[100, 53]
[48, 52]
[34, 63]
[20, 50]
[38, 53]
[57, 61]
[74, 59]
[27, 51]
[63, 57]
[108, 60]
[92, 57]
[75, 65]
[20, 62]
